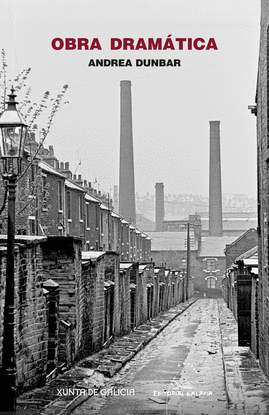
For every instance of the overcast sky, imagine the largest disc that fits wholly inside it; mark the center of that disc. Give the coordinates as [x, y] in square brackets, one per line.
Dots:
[172, 106]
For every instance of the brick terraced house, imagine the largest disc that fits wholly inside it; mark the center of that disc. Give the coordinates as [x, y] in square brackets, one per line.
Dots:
[261, 110]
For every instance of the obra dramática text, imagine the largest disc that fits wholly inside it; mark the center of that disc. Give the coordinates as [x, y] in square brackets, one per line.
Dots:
[178, 43]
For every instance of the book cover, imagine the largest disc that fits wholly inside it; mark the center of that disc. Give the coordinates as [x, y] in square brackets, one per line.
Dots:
[186, 64]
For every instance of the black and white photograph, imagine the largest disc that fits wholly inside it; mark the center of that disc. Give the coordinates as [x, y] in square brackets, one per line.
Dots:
[134, 207]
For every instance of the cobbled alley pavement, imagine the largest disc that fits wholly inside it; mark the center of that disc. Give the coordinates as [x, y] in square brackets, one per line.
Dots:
[193, 367]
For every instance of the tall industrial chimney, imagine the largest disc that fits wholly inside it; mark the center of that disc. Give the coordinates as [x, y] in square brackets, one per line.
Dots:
[159, 206]
[215, 196]
[127, 185]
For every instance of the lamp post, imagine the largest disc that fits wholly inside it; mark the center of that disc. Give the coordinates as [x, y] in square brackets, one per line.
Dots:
[12, 136]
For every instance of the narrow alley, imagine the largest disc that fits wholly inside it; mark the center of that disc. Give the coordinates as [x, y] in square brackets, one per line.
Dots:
[192, 367]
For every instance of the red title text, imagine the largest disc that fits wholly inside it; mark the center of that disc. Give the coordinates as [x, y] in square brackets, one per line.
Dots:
[178, 43]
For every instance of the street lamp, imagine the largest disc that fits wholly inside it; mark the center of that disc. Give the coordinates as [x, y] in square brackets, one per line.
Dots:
[13, 132]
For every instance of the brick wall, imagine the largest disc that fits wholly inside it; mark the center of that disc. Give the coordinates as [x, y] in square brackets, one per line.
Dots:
[156, 292]
[52, 206]
[173, 260]
[111, 263]
[97, 280]
[242, 244]
[141, 293]
[31, 327]
[254, 317]
[150, 280]
[263, 188]
[93, 273]
[67, 308]
[102, 305]
[75, 224]
[62, 263]
[26, 204]
[200, 283]
[124, 301]
[230, 295]
[52, 289]
[92, 232]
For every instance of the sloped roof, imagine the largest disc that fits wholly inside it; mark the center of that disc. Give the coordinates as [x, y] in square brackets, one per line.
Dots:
[47, 167]
[213, 246]
[104, 207]
[144, 223]
[251, 253]
[170, 241]
[125, 265]
[91, 255]
[241, 237]
[91, 198]
[232, 224]
[73, 185]
[116, 215]
[250, 259]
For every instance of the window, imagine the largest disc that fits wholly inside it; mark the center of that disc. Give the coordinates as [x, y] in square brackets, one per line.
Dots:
[211, 282]
[112, 230]
[211, 264]
[44, 191]
[68, 201]
[32, 177]
[80, 207]
[60, 195]
[101, 223]
[87, 215]
[32, 225]
[96, 218]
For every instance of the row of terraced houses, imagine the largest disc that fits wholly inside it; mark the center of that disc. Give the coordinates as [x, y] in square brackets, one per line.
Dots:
[53, 201]
[246, 282]
[83, 274]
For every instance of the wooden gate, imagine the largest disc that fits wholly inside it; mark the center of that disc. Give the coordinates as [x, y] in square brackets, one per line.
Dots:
[244, 282]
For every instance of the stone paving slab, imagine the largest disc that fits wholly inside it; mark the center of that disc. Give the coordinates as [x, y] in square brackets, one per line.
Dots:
[246, 385]
[90, 373]
[213, 357]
